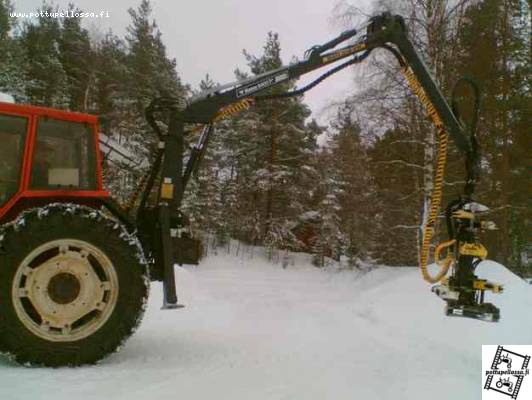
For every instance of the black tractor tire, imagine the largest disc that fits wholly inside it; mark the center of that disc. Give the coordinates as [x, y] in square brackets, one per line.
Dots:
[96, 337]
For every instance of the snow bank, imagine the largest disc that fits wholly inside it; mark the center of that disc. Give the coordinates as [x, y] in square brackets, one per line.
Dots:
[253, 330]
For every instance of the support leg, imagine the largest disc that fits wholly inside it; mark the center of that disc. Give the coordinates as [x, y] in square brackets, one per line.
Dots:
[170, 197]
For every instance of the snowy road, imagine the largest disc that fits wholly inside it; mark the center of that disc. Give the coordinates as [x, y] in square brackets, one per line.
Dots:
[252, 330]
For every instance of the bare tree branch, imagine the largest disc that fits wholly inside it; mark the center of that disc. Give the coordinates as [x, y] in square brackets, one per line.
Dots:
[402, 162]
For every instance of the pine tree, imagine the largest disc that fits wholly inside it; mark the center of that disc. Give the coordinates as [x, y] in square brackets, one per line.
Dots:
[280, 144]
[151, 70]
[396, 172]
[153, 74]
[124, 77]
[111, 91]
[13, 63]
[47, 80]
[329, 239]
[495, 49]
[76, 57]
[349, 162]
[204, 203]
[5, 22]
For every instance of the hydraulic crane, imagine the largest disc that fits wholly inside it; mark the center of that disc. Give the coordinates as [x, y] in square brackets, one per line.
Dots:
[463, 291]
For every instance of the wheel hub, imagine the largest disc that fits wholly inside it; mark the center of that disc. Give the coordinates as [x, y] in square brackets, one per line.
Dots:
[64, 288]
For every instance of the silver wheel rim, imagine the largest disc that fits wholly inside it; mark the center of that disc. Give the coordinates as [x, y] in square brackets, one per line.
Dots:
[65, 290]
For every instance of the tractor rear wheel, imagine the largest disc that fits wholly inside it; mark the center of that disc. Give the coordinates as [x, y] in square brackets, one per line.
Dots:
[73, 286]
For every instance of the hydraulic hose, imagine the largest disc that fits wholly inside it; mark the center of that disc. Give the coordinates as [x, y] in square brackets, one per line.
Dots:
[437, 191]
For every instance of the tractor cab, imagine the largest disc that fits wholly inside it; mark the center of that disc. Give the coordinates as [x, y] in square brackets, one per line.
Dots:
[47, 155]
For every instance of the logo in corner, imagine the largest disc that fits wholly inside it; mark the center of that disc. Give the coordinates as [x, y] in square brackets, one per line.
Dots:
[506, 372]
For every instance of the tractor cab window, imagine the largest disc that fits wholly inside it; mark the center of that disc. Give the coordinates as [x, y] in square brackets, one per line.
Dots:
[63, 156]
[12, 138]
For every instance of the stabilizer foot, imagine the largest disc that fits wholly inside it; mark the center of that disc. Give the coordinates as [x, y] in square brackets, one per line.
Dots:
[483, 312]
[468, 302]
[171, 306]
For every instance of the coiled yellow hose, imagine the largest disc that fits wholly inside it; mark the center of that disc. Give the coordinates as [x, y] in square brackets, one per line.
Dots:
[437, 192]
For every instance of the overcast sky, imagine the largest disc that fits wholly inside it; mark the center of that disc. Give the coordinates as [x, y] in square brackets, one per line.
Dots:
[207, 36]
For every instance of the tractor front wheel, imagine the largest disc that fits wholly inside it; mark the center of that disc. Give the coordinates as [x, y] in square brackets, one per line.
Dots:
[73, 286]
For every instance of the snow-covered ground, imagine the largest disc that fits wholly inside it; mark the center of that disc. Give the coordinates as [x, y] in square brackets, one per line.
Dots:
[252, 330]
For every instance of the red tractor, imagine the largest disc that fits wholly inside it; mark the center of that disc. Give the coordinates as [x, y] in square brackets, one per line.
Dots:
[75, 267]
[73, 280]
